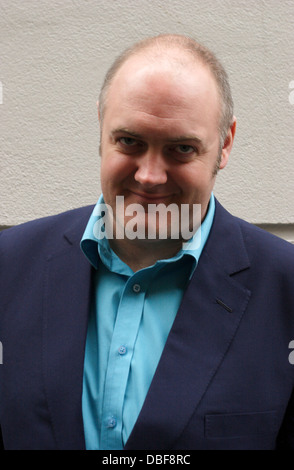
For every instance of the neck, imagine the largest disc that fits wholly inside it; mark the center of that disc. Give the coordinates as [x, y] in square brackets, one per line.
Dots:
[139, 254]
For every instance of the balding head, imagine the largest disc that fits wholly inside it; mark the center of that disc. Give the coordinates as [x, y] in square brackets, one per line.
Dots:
[179, 51]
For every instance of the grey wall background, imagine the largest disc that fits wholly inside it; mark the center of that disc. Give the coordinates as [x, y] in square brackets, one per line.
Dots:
[53, 57]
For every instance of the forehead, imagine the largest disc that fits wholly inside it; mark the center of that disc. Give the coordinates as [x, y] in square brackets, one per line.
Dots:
[165, 88]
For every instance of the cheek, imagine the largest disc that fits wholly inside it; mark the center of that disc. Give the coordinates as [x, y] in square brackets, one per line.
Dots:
[196, 183]
[191, 178]
[115, 169]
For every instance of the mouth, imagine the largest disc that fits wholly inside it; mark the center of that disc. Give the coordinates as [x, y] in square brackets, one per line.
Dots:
[151, 198]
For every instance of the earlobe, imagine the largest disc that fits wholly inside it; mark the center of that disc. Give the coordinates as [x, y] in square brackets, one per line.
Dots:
[228, 144]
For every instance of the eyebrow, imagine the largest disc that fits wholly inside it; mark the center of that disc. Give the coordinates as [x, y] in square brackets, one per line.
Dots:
[126, 131]
[180, 138]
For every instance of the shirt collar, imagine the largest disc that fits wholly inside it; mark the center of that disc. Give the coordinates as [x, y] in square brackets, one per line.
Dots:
[95, 246]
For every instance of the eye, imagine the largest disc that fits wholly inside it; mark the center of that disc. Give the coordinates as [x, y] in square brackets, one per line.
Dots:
[184, 149]
[127, 141]
[184, 152]
[130, 145]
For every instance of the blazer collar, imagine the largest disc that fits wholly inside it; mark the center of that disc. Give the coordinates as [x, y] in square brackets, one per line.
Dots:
[226, 244]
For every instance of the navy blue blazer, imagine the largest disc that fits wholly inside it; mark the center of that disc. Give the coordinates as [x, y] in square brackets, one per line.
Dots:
[224, 380]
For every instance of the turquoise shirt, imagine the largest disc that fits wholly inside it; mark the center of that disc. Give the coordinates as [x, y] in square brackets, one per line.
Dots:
[131, 316]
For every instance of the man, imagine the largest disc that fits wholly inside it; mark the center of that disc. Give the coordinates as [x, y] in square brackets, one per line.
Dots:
[113, 340]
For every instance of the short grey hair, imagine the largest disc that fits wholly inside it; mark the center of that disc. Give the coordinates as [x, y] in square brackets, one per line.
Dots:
[199, 52]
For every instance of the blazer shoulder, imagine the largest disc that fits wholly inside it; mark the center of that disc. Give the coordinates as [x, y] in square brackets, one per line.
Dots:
[261, 247]
[44, 231]
[262, 244]
[259, 235]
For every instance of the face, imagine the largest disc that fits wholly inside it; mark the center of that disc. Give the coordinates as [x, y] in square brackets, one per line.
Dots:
[160, 136]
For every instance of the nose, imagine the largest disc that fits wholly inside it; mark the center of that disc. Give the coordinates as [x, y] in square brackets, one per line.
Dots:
[152, 170]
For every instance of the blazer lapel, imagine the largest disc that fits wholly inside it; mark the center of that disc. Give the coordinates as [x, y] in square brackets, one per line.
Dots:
[67, 281]
[204, 328]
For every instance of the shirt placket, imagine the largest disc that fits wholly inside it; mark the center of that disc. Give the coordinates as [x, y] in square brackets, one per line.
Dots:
[121, 350]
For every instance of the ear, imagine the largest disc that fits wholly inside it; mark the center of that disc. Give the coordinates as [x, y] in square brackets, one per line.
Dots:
[228, 144]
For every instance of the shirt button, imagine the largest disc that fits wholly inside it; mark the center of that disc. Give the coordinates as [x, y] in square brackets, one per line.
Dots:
[111, 422]
[136, 288]
[122, 350]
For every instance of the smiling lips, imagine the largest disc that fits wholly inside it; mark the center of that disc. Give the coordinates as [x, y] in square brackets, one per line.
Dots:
[151, 197]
